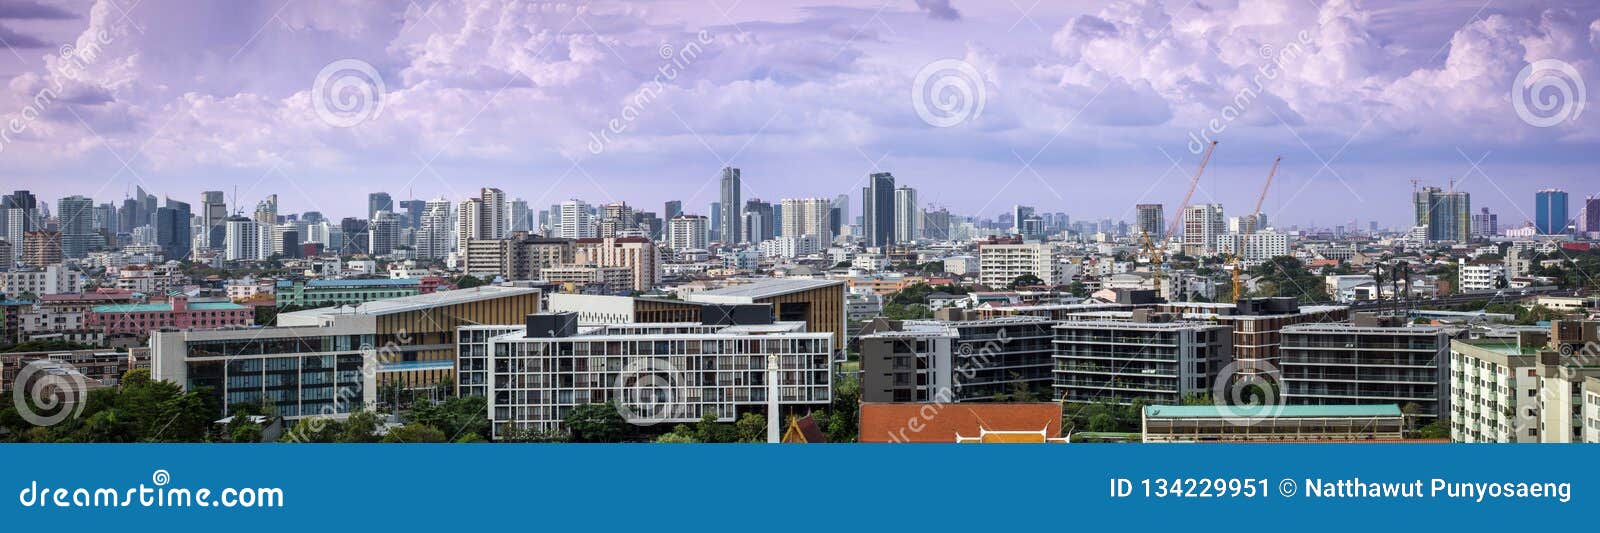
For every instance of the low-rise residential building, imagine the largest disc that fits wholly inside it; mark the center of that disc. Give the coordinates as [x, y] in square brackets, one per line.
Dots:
[139, 320]
[1256, 324]
[52, 279]
[1481, 275]
[1374, 361]
[955, 361]
[1284, 423]
[656, 372]
[330, 292]
[1152, 358]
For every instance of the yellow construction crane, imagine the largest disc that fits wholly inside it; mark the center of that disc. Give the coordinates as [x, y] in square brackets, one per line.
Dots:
[1255, 225]
[1172, 229]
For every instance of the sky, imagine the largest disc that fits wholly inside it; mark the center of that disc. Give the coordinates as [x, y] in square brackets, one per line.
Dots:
[1086, 108]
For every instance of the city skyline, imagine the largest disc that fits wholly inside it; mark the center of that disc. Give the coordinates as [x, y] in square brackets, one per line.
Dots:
[1063, 126]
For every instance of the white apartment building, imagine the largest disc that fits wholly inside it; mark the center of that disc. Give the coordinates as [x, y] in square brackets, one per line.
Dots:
[999, 264]
[52, 279]
[575, 221]
[665, 373]
[1202, 225]
[246, 240]
[806, 216]
[1494, 388]
[1481, 275]
[961, 265]
[790, 247]
[1254, 248]
[434, 237]
[688, 232]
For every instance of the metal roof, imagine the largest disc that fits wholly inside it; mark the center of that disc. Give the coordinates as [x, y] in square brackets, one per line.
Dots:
[769, 288]
[421, 301]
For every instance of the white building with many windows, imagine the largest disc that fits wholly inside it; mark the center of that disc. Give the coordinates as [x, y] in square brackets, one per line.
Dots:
[999, 264]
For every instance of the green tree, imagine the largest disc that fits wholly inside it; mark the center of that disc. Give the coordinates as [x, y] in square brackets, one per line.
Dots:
[1025, 280]
[361, 426]
[248, 432]
[467, 282]
[415, 433]
[596, 422]
[751, 427]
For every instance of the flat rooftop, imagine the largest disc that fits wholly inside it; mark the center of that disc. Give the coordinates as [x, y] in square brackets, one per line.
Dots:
[418, 302]
[1281, 411]
[768, 288]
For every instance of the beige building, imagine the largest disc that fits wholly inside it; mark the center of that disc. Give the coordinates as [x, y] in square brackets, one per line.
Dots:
[999, 264]
[637, 254]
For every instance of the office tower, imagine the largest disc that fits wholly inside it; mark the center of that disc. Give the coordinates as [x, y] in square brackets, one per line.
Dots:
[411, 210]
[758, 221]
[286, 239]
[434, 238]
[379, 201]
[22, 217]
[716, 221]
[383, 234]
[574, 221]
[728, 228]
[1484, 224]
[806, 216]
[147, 205]
[1550, 211]
[777, 219]
[907, 215]
[213, 211]
[1150, 222]
[521, 217]
[1591, 214]
[76, 225]
[267, 210]
[354, 235]
[1447, 215]
[172, 229]
[1019, 213]
[105, 219]
[1202, 224]
[877, 209]
[840, 214]
[687, 232]
[616, 218]
[672, 209]
[936, 224]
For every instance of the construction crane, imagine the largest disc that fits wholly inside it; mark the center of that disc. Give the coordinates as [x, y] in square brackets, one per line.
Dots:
[1172, 229]
[1255, 225]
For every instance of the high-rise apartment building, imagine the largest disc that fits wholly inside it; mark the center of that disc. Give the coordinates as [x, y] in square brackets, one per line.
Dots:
[807, 216]
[1202, 225]
[266, 210]
[907, 215]
[759, 219]
[729, 219]
[1150, 222]
[1485, 224]
[22, 217]
[1000, 264]
[1589, 217]
[173, 229]
[637, 254]
[434, 237]
[573, 221]
[1447, 215]
[383, 234]
[687, 232]
[1550, 211]
[213, 212]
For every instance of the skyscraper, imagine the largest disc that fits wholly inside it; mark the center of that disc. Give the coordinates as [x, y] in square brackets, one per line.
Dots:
[807, 216]
[672, 209]
[758, 221]
[1591, 214]
[76, 224]
[22, 217]
[687, 232]
[412, 211]
[496, 215]
[267, 210]
[1550, 211]
[521, 217]
[1484, 224]
[877, 209]
[1202, 225]
[384, 233]
[574, 221]
[378, 201]
[728, 228]
[716, 221]
[213, 211]
[1019, 213]
[907, 215]
[1448, 215]
[1150, 221]
[434, 238]
[172, 229]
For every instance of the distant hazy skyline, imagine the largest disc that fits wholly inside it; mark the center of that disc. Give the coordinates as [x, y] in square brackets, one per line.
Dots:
[1084, 108]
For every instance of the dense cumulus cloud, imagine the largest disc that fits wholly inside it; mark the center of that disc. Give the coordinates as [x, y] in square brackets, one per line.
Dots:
[183, 95]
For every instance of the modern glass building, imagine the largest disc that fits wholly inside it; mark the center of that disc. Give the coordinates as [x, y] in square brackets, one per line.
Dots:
[1550, 211]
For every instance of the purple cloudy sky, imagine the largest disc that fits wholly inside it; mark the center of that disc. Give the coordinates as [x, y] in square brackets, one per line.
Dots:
[1087, 107]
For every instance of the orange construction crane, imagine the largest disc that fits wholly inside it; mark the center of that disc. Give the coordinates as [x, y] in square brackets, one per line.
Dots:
[1172, 229]
[1255, 225]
